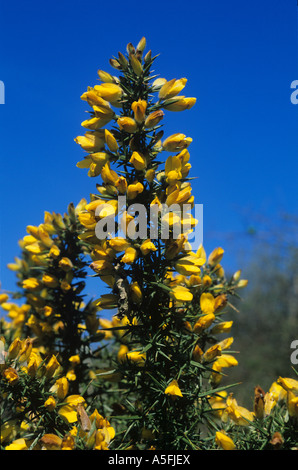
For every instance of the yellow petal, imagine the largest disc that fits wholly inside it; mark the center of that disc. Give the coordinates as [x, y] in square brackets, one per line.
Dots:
[173, 389]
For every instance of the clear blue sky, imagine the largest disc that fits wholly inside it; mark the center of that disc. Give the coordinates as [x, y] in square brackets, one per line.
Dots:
[240, 59]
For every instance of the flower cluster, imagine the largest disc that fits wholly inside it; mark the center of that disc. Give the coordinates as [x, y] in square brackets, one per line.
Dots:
[51, 276]
[45, 415]
[139, 225]
[271, 425]
[157, 363]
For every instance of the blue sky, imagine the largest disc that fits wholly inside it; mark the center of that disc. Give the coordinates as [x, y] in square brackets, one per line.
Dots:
[240, 59]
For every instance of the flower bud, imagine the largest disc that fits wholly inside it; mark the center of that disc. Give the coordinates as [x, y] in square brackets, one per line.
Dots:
[171, 88]
[141, 45]
[65, 264]
[51, 367]
[11, 375]
[136, 65]
[111, 141]
[105, 77]
[127, 124]
[14, 348]
[138, 161]
[115, 64]
[50, 403]
[136, 293]
[216, 256]
[179, 103]
[154, 118]
[139, 108]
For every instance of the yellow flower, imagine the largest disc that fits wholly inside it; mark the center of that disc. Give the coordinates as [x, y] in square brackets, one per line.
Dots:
[109, 91]
[180, 103]
[33, 363]
[136, 357]
[69, 410]
[189, 265]
[11, 375]
[51, 367]
[127, 124]
[292, 404]
[139, 108]
[171, 88]
[122, 353]
[173, 170]
[176, 142]
[290, 385]
[91, 141]
[68, 443]
[108, 175]
[102, 115]
[3, 298]
[50, 403]
[269, 403]
[51, 442]
[177, 196]
[119, 244]
[173, 389]
[212, 353]
[222, 327]
[154, 118]
[278, 392]
[203, 323]
[26, 349]
[65, 264]
[216, 256]
[75, 360]
[207, 303]
[49, 280]
[238, 414]
[134, 189]
[102, 266]
[60, 388]
[71, 375]
[181, 294]
[111, 141]
[217, 403]
[226, 360]
[147, 246]
[14, 348]
[54, 251]
[18, 444]
[224, 441]
[226, 343]
[129, 256]
[197, 353]
[136, 293]
[138, 161]
[32, 284]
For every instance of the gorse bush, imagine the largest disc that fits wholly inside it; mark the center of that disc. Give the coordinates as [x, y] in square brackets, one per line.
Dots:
[150, 374]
